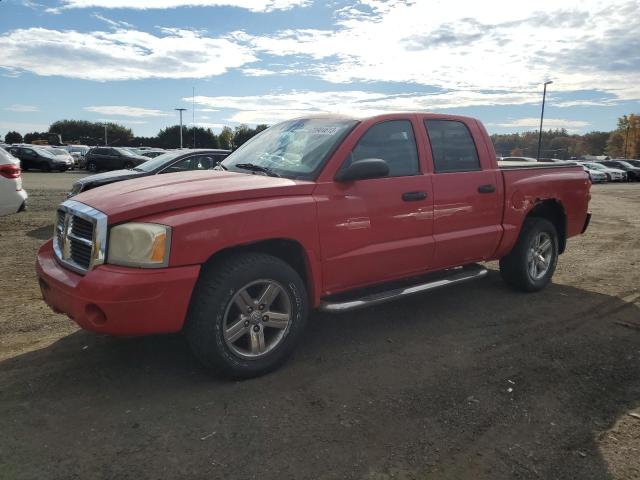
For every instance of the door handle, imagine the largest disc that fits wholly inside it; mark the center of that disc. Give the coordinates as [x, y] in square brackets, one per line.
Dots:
[414, 196]
[486, 188]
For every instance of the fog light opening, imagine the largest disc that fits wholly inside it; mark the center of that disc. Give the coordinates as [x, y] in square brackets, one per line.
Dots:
[95, 315]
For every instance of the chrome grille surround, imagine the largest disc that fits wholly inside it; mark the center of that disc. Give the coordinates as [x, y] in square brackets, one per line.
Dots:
[74, 247]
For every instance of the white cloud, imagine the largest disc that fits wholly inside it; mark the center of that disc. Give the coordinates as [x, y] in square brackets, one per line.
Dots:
[126, 121]
[121, 54]
[252, 5]
[112, 23]
[16, 107]
[275, 107]
[548, 123]
[474, 46]
[126, 111]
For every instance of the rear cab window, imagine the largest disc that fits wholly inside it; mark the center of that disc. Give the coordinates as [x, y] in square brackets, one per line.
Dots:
[452, 146]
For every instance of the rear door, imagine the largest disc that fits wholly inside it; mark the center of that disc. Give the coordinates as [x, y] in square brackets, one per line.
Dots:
[466, 190]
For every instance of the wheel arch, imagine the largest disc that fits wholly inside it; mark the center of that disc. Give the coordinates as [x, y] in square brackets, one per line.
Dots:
[288, 250]
[554, 211]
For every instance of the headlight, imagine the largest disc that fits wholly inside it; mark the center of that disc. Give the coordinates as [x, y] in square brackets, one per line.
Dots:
[143, 245]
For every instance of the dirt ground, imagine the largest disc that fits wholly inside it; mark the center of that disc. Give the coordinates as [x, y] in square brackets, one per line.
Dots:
[473, 382]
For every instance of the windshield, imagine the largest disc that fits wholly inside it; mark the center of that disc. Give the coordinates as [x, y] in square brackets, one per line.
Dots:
[59, 151]
[293, 149]
[159, 161]
[126, 151]
[45, 153]
[595, 166]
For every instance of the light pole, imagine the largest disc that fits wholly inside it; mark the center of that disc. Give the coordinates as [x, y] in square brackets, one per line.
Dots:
[105, 135]
[544, 95]
[180, 110]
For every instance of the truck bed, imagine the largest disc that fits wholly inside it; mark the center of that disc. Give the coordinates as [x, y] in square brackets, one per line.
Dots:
[508, 165]
[518, 165]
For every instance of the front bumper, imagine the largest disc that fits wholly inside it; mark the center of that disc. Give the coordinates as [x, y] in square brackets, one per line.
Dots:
[118, 301]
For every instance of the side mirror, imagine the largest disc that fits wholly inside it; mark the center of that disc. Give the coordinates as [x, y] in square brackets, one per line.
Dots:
[363, 169]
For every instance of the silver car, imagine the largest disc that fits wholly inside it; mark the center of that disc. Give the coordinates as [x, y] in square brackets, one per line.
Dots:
[613, 174]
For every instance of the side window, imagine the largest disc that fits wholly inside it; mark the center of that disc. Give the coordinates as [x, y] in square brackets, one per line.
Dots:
[392, 141]
[452, 146]
[203, 162]
[180, 166]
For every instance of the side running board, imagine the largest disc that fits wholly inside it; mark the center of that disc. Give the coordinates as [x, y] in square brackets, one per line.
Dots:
[362, 298]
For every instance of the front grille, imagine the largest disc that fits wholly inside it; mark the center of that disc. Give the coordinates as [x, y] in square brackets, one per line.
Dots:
[79, 240]
[82, 228]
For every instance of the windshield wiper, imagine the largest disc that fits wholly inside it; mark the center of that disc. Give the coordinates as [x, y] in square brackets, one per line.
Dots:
[257, 168]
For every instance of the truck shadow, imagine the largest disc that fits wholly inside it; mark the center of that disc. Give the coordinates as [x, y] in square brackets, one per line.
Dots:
[475, 381]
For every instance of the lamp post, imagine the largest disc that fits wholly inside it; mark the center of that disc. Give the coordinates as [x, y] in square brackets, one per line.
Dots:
[105, 135]
[544, 96]
[180, 110]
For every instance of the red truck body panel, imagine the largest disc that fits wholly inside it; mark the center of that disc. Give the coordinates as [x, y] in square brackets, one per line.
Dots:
[352, 234]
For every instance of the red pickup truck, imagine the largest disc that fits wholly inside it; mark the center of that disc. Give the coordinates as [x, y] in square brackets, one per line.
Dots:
[324, 212]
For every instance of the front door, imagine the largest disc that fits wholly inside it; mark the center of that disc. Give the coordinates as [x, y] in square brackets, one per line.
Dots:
[377, 229]
[466, 190]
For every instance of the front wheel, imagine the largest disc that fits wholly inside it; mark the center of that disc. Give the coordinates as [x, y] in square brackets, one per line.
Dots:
[246, 314]
[92, 167]
[532, 262]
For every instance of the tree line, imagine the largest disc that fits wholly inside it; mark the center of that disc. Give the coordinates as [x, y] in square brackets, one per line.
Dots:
[92, 133]
[623, 142]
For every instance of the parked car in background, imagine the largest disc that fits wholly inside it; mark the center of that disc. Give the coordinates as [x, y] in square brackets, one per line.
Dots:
[613, 174]
[152, 153]
[77, 152]
[13, 198]
[31, 156]
[633, 173]
[633, 163]
[517, 159]
[169, 162]
[112, 158]
[63, 154]
[596, 176]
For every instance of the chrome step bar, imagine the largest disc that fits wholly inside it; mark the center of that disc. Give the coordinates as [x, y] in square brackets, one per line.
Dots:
[446, 278]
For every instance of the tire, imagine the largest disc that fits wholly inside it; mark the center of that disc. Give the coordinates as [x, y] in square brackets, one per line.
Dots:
[218, 302]
[46, 167]
[516, 268]
[128, 165]
[92, 167]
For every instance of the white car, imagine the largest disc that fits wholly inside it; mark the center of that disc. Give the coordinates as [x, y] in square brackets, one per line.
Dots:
[613, 174]
[596, 176]
[13, 198]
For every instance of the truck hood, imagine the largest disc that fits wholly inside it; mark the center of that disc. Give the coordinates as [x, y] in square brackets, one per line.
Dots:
[141, 197]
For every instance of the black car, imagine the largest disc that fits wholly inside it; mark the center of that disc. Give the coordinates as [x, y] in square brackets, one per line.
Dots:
[634, 163]
[170, 162]
[112, 158]
[32, 156]
[633, 173]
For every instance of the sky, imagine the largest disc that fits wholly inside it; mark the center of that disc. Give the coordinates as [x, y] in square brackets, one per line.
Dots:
[262, 61]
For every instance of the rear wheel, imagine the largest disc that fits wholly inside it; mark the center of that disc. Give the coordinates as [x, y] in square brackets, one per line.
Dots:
[246, 315]
[532, 262]
[128, 165]
[92, 167]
